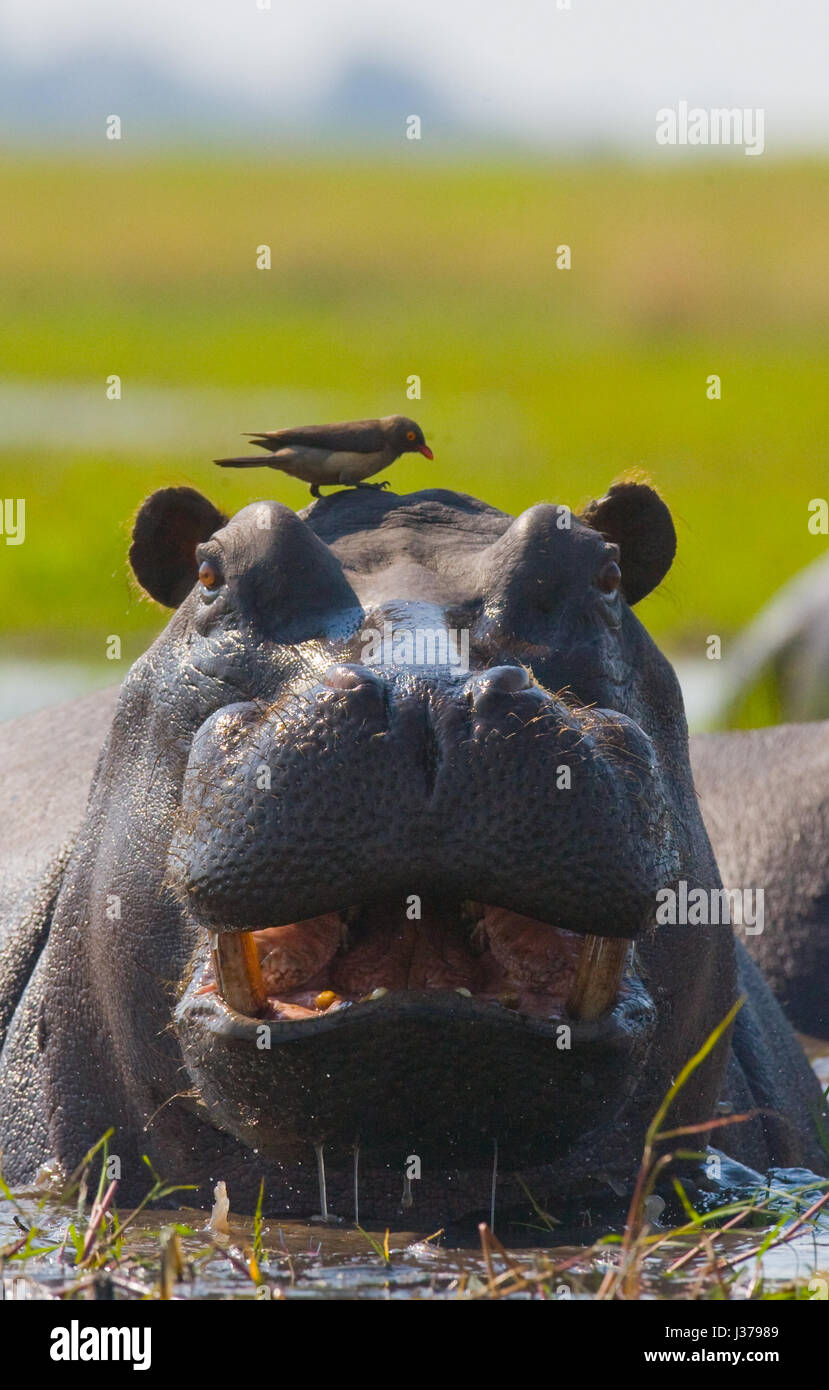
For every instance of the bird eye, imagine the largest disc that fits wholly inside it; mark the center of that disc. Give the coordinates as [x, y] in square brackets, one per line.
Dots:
[609, 577]
[410, 434]
[209, 576]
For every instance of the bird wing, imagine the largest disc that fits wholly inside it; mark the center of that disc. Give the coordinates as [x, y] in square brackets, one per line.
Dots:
[310, 464]
[355, 436]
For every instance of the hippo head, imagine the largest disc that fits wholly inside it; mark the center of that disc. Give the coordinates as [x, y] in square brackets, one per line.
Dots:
[400, 782]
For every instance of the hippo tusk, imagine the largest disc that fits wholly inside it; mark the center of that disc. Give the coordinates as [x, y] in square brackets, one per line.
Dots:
[238, 973]
[598, 977]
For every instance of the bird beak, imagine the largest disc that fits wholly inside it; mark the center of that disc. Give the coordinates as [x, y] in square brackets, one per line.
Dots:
[425, 451]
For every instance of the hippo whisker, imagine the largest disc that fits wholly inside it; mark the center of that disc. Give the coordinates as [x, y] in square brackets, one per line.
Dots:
[191, 1094]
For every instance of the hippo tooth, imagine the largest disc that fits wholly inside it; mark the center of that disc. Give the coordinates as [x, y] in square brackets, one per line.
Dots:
[375, 994]
[238, 973]
[347, 920]
[599, 974]
[478, 938]
[470, 911]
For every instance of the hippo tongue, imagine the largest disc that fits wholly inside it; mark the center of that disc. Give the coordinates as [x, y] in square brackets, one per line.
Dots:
[431, 952]
[304, 968]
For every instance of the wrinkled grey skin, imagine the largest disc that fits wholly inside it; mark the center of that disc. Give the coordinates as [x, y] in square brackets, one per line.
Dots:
[764, 796]
[384, 782]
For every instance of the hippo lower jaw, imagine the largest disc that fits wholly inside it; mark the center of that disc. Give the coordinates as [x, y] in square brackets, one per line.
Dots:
[340, 960]
[469, 1025]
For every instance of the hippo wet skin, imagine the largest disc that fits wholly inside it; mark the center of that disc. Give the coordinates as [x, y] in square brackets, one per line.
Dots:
[782, 772]
[380, 902]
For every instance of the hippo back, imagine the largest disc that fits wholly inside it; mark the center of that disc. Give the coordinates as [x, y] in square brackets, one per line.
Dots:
[764, 796]
[48, 759]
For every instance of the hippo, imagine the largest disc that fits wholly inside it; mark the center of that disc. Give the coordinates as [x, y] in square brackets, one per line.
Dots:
[353, 888]
[784, 770]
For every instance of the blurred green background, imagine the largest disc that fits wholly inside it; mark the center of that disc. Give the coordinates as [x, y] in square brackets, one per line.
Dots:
[537, 383]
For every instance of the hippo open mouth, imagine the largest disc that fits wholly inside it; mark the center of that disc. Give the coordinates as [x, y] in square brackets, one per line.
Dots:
[341, 959]
[401, 1021]
[363, 1026]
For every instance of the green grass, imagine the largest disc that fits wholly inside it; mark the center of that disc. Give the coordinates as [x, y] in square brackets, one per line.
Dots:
[537, 383]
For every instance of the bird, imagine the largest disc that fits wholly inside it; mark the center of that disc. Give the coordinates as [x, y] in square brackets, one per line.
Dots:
[345, 453]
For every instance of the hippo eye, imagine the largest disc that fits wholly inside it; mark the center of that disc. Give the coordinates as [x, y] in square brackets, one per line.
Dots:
[609, 577]
[209, 576]
[410, 434]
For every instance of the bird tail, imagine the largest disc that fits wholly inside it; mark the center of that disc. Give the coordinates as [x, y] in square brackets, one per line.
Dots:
[263, 441]
[257, 462]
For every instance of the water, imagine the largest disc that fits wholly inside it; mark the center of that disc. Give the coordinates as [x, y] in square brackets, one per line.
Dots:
[182, 1254]
[65, 417]
[26, 686]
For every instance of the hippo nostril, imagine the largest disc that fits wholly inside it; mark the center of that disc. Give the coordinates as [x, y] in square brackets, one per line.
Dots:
[346, 675]
[357, 692]
[501, 680]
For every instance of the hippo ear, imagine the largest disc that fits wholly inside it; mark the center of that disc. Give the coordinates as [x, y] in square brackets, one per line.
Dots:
[168, 527]
[636, 519]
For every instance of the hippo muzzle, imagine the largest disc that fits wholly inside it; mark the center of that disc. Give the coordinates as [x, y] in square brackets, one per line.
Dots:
[407, 882]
